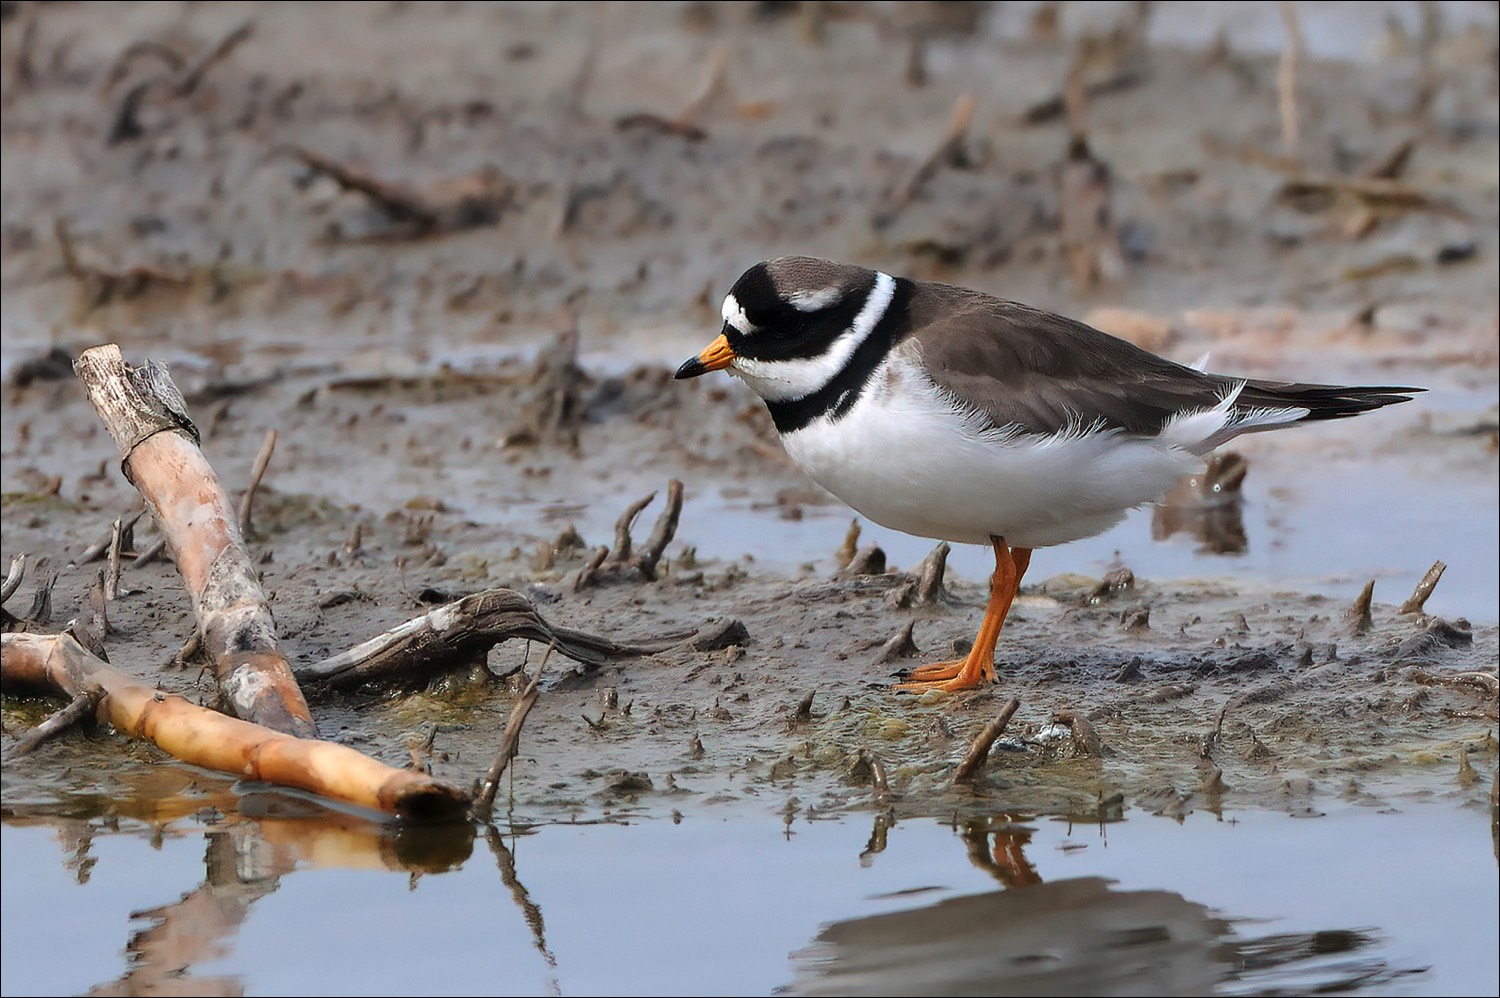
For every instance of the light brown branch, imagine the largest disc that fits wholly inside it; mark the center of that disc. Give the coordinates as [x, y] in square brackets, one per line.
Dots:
[202, 737]
[158, 443]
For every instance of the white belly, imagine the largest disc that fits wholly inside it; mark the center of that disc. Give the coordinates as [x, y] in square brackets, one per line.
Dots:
[906, 460]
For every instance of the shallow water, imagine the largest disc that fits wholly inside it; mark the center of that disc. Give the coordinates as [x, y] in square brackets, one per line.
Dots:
[737, 903]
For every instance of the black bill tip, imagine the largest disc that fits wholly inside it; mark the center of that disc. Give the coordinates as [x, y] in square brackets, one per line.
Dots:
[691, 369]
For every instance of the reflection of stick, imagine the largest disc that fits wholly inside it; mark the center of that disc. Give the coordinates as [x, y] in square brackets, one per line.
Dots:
[146, 415]
[261, 461]
[979, 751]
[206, 738]
[485, 802]
[530, 910]
[1418, 598]
[1286, 81]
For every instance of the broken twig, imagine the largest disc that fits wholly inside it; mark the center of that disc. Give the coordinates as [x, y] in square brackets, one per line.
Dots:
[979, 751]
[1418, 598]
[485, 802]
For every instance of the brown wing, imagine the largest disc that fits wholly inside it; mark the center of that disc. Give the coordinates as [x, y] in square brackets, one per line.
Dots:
[1043, 372]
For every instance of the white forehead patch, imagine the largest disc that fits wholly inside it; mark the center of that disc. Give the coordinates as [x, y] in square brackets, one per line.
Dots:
[799, 377]
[734, 314]
[812, 301]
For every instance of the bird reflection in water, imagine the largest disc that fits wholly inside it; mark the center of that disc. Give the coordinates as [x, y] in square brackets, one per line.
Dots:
[1073, 936]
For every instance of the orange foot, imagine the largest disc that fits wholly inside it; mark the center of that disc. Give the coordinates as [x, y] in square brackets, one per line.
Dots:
[979, 667]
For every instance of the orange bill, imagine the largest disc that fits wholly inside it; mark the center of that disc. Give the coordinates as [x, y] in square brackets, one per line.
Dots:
[715, 357]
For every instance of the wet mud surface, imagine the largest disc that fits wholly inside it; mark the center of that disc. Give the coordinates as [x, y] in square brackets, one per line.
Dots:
[470, 379]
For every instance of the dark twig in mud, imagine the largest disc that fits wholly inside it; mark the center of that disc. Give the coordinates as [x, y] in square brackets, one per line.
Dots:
[190, 80]
[151, 553]
[925, 586]
[949, 151]
[158, 444]
[556, 408]
[877, 773]
[81, 706]
[1086, 741]
[1056, 106]
[401, 205]
[1358, 615]
[803, 713]
[484, 803]
[979, 751]
[455, 634]
[60, 666]
[623, 562]
[248, 499]
[1418, 598]
[41, 598]
[1286, 82]
[478, 200]
[899, 645]
[91, 627]
[13, 577]
[1374, 195]
[100, 286]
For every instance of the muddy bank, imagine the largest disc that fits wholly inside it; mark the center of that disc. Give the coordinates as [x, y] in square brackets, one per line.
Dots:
[777, 689]
[451, 255]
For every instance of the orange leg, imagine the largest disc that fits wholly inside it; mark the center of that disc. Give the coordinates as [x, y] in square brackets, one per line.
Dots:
[979, 666]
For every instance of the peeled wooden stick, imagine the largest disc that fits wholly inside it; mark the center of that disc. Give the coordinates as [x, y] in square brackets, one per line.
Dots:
[58, 664]
[147, 417]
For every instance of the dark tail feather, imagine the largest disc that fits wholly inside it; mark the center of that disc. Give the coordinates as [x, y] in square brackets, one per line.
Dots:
[1323, 401]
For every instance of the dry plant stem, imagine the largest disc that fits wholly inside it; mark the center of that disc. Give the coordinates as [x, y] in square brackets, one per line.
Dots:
[147, 417]
[1286, 82]
[485, 802]
[262, 460]
[193, 77]
[112, 578]
[456, 633]
[202, 737]
[951, 145]
[82, 705]
[979, 751]
[1418, 598]
[13, 577]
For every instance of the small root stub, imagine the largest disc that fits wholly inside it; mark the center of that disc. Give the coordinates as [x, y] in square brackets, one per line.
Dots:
[1418, 598]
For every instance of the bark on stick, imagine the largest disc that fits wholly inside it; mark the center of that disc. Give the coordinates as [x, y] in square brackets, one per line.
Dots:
[148, 419]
